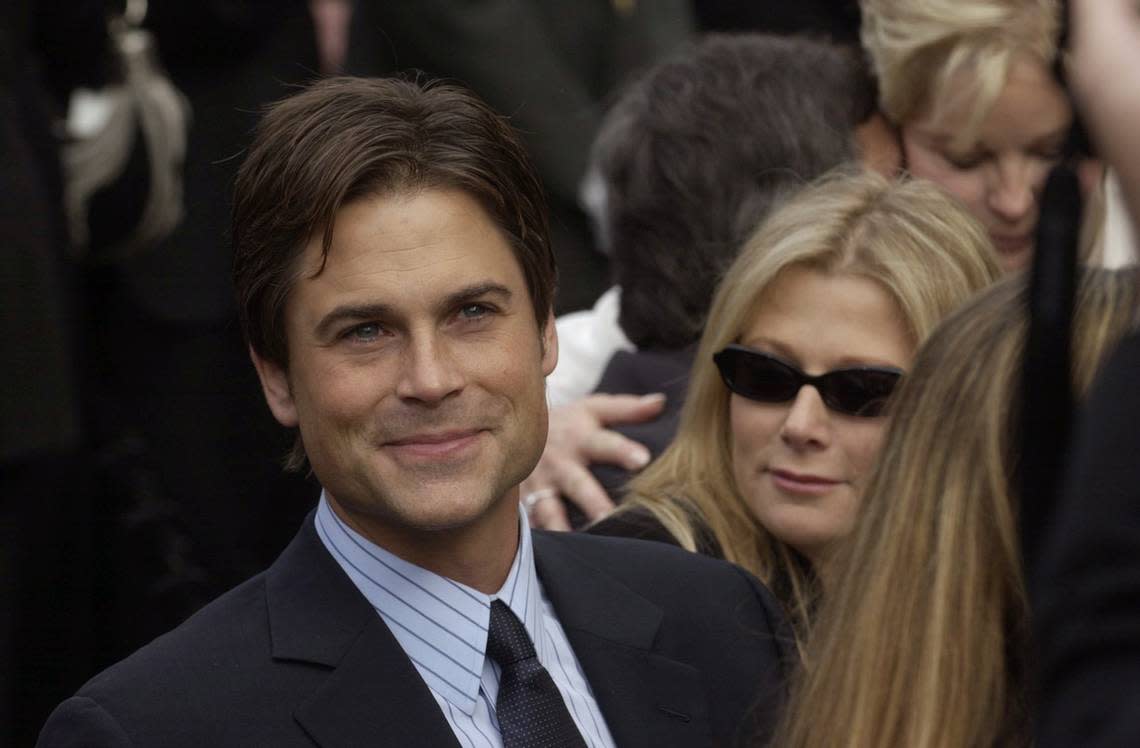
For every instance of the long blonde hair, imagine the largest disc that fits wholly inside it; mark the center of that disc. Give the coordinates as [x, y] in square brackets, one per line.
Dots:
[918, 49]
[926, 251]
[920, 642]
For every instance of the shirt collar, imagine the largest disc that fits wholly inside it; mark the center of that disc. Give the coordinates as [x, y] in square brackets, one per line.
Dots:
[441, 624]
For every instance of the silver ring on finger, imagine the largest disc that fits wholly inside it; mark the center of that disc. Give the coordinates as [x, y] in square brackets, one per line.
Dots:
[534, 498]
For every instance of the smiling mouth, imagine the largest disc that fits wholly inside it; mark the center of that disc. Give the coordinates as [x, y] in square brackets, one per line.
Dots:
[434, 446]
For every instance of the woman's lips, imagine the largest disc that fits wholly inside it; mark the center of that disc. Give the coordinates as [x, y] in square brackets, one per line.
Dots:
[1012, 244]
[802, 483]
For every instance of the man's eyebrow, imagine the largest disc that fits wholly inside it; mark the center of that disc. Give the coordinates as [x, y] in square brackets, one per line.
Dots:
[476, 291]
[358, 312]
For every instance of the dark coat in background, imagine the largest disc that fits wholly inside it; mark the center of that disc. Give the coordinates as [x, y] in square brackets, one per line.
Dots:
[1086, 590]
[837, 20]
[47, 47]
[152, 477]
[642, 373]
[188, 447]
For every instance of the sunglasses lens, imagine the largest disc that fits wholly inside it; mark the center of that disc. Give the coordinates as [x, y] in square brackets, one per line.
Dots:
[860, 392]
[756, 376]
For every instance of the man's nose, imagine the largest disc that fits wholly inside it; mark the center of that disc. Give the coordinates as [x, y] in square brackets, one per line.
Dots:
[429, 372]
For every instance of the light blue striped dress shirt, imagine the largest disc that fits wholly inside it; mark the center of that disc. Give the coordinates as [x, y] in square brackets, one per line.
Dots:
[442, 626]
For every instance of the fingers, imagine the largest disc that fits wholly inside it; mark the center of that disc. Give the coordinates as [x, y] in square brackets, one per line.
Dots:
[577, 438]
[617, 409]
[545, 511]
[613, 448]
[1104, 64]
[567, 481]
[578, 486]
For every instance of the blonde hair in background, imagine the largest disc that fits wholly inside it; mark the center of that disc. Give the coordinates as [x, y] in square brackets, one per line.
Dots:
[919, 50]
[929, 255]
[920, 644]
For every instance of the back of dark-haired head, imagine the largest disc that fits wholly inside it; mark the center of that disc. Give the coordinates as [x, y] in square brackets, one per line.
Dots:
[343, 139]
[697, 152]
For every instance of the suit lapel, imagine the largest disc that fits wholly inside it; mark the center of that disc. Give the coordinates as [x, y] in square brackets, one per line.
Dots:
[649, 700]
[374, 695]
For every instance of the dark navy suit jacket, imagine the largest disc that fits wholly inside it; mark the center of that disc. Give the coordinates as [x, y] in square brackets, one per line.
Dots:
[680, 650]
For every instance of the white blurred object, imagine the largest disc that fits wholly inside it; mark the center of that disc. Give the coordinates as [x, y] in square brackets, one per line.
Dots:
[586, 341]
[1120, 247]
[102, 128]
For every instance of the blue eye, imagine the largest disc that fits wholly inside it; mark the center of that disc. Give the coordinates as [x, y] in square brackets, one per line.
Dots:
[364, 333]
[474, 311]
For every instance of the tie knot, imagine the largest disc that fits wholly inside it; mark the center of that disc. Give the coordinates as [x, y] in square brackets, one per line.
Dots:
[507, 639]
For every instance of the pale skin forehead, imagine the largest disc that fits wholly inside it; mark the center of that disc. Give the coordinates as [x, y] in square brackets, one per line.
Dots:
[823, 321]
[1030, 108]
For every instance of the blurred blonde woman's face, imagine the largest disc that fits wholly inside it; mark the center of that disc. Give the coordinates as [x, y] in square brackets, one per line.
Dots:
[1000, 175]
[801, 465]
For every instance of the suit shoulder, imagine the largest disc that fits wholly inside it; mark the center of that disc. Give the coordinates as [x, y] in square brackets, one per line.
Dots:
[81, 722]
[228, 632]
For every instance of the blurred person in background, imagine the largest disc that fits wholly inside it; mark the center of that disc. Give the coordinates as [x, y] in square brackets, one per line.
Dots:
[970, 85]
[187, 453]
[47, 505]
[813, 326]
[923, 637]
[132, 425]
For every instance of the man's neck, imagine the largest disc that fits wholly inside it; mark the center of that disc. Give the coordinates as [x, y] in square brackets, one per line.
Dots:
[478, 555]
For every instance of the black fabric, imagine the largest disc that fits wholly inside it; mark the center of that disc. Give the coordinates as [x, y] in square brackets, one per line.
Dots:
[529, 707]
[679, 650]
[1086, 588]
[639, 523]
[641, 373]
[834, 19]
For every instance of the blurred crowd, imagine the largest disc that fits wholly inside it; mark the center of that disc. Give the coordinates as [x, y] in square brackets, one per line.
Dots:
[798, 247]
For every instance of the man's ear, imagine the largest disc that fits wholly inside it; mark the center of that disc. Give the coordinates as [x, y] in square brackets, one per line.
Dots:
[275, 386]
[549, 345]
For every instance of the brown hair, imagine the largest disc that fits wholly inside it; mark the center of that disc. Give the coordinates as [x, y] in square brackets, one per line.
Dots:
[342, 139]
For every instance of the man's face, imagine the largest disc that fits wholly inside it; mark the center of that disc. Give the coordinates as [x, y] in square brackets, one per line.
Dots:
[416, 367]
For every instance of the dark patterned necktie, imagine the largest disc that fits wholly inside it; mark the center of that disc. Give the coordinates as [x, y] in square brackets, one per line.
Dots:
[530, 708]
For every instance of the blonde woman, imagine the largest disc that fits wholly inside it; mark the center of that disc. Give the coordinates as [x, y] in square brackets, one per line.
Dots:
[920, 640]
[811, 328]
[969, 84]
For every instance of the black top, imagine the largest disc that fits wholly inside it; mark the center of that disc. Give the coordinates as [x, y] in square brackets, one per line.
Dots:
[1086, 586]
[638, 522]
[642, 373]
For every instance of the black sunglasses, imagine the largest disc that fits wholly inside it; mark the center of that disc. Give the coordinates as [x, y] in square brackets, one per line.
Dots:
[758, 376]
